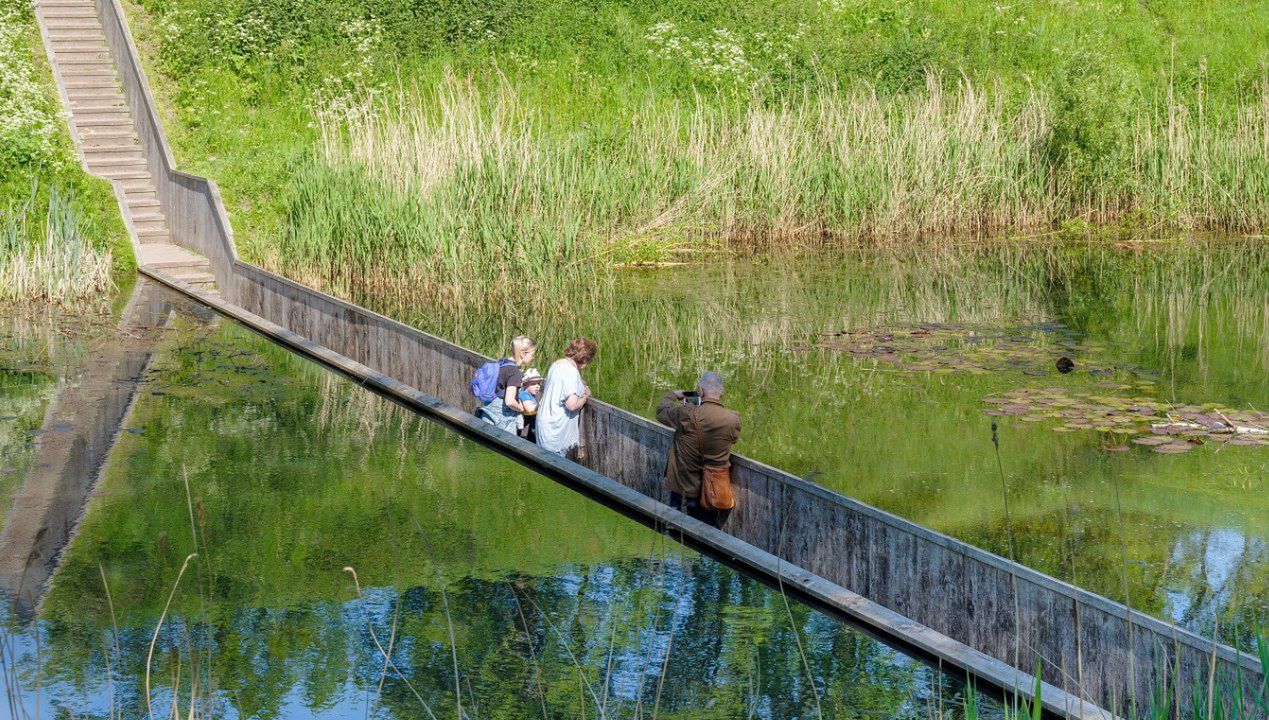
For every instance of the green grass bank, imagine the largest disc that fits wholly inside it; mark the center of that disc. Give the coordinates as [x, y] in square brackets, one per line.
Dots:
[61, 236]
[442, 147]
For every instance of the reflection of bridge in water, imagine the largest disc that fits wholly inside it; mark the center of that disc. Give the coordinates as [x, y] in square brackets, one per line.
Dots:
[934, 596]
[82, 425]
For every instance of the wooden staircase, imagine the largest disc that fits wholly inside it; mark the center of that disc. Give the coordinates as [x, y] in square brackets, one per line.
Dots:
[103, 127]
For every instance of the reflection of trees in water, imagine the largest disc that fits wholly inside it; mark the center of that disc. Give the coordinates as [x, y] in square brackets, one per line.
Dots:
[684, 637]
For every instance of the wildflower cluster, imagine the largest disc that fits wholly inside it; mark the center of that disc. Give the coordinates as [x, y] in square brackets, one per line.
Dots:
[228, 40]
[28, 122]
[726, 56]
[347, 91]
[721, 56]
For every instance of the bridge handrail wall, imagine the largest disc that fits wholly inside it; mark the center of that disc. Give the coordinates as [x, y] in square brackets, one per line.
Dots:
[1090, 646]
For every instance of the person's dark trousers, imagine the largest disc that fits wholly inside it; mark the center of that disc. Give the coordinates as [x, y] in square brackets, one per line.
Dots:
[692, 506]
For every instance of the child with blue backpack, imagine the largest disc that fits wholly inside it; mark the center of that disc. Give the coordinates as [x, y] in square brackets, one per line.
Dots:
[497, 385]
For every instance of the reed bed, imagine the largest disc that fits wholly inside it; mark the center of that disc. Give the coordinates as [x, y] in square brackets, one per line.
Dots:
[46, 255]
[457, 193]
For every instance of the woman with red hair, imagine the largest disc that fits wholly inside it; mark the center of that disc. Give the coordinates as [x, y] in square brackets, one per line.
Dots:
[563, 397]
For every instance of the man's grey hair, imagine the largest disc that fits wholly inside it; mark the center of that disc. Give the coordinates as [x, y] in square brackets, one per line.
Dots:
[711, 384]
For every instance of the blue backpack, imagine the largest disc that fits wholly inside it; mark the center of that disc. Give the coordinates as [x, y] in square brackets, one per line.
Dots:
[484, 384]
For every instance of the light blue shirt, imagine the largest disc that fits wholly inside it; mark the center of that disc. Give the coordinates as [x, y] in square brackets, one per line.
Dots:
[557, 426]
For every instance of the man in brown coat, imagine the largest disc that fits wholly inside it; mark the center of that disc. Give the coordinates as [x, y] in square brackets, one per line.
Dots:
[691, 452]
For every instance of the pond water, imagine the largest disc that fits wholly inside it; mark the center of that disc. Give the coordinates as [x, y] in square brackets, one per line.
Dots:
[892, 412]
[879, 375]
[490, 588]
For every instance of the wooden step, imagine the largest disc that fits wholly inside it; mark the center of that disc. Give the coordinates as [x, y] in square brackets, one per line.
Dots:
[171, 256]
[63, 3]
[149, 220]
[195, 278]
[88, 14]
[118, 169]
[77, 47]
[128, 144]
[133, 173]
[72, 25]
[98, 105]
[122, 133]
[81, 35]
[94, 91]
[142, 204]
[96, 80]
[148, 227]
[94, 58]
[99, 116]
[114, 157]
[152, 236]
[200, 265]
[78, 10]
[139, 183]
[112, 121]
[88, 73]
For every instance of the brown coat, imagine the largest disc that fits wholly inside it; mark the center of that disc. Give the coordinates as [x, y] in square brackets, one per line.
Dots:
[720, 428]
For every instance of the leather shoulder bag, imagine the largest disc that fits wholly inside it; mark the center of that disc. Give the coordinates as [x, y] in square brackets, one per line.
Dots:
[716, 491]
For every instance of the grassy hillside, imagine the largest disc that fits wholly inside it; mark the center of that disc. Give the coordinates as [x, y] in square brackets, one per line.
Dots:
[377, 143]
[60, 231]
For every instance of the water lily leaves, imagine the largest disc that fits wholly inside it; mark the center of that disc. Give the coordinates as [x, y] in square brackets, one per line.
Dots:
[1137, 419]
[961, 348]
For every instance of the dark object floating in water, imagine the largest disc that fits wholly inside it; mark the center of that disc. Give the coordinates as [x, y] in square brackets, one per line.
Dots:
[134, 431]
[1065, 365]
[963, 348]
[157, 392]
[60, 426]
[37, 431]
[8, 417]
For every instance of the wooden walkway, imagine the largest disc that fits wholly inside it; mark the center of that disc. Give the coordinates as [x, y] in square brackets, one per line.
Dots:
[969, 610]
[104, 130]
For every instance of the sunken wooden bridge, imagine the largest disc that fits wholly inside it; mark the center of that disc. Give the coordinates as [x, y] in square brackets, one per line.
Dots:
[972, 612]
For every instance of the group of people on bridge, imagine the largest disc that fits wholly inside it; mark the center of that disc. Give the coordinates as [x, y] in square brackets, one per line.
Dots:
[516, 398]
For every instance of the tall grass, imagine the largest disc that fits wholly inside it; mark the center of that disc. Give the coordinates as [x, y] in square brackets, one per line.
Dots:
[453, 192]
[46, 254]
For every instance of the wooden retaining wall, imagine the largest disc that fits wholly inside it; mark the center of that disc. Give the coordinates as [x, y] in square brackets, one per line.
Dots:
[1089, 647]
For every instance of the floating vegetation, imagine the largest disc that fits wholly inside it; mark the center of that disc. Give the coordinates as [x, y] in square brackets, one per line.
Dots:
[1165, 428]
[1034, 349]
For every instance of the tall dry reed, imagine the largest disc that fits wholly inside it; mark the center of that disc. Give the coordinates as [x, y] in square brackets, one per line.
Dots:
[47, 257]
[456, 193]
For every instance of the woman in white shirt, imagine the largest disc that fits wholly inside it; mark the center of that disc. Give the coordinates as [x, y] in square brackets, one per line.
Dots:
[563, 397]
